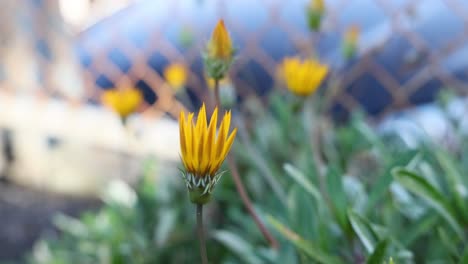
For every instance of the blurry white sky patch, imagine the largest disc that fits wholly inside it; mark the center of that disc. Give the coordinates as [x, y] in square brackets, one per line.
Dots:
[81, 14]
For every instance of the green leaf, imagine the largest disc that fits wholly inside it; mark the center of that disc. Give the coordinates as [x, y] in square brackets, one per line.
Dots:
[455, 181]
[380, 188]
[238, 246]
[303, 214]
[378, 256]
[419, 228]
[370, 134]
[449, 167]
[429, 193]
[364, 231]
[302, 181]
[448, 242]
[306, 247]
[464, 256]
[337, 195]
[261, 163]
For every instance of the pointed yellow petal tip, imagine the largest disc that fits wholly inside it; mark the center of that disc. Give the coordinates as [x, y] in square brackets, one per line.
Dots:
[220, 45]
[221, 24]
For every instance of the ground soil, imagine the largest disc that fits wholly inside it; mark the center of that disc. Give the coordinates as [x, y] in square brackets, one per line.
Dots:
[26, 214]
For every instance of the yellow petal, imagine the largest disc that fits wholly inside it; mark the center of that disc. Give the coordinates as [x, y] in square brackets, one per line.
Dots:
[183, 145]
[210, 140]
[189, 139]
[221, 136]
[228, 144]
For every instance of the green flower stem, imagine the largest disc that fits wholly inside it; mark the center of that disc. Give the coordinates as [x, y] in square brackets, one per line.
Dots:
[216, 93]
[240, 186]
[201, 234]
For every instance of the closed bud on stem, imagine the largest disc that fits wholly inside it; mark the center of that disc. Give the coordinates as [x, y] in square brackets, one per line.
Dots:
[350, 42]
[315, 13]
[219, 52]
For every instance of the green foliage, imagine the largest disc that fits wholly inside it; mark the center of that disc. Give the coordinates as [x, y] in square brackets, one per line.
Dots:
[328, 193]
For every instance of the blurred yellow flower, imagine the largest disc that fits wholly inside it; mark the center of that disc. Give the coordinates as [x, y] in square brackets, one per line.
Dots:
[122, 101]
[176, 75]
[203, 150]
[220, 44]
[303, 77]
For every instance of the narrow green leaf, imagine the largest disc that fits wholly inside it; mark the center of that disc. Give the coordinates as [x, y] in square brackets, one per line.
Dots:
[370, 134]
[306, 247]
[364, 231]
[429, 193]
[448, 242]
[464, 256]
[419, 228]
[260, 162]
[303, 212]
[378, 256]
[380, 188]
[302, 180]
[455, 181]
[449, 167]
[238, 246]
[337, 195]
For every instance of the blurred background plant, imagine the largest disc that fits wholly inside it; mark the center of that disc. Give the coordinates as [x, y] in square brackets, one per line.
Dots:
[335, 161]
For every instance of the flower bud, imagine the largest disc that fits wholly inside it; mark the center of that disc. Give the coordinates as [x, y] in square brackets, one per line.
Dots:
[219, 52]
[350, 42]
[315, 12]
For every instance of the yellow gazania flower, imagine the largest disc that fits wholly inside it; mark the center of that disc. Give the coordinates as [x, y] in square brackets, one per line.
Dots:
[124, 102]
[203, 150]
[176, 75]
[303, 77]
[220, 44]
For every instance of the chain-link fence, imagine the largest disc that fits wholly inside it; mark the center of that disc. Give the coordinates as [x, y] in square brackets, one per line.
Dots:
[407, 50]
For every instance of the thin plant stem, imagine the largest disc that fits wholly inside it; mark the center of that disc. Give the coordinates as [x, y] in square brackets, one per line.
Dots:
[216, 94]
[201, 234]
[248, 203]
[316, 140]
[241, 189]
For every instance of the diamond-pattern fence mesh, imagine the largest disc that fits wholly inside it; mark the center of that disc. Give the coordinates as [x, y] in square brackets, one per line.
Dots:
[407, 50]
